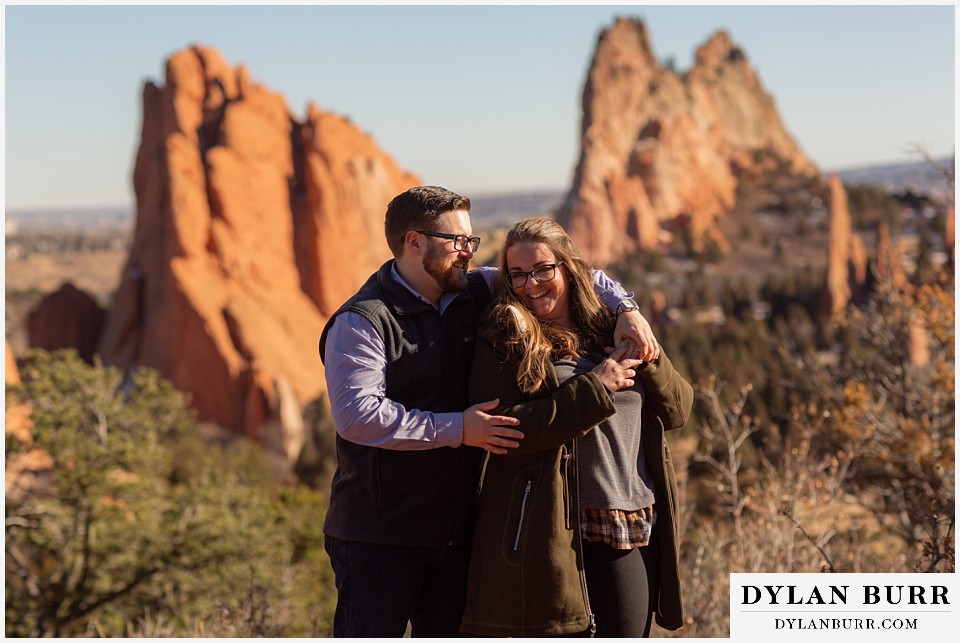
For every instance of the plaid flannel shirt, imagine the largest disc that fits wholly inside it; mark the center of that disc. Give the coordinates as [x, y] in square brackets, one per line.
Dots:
[618, 528]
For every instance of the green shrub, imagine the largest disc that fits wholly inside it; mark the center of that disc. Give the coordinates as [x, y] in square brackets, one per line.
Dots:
[150, 525]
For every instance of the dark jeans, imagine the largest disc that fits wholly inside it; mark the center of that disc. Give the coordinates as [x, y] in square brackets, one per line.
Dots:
[382, 587]
[622, 584]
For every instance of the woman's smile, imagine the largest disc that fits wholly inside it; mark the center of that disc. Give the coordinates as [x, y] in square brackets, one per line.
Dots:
[549, 299]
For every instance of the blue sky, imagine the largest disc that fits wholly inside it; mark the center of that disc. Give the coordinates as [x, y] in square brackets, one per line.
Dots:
[476, 98]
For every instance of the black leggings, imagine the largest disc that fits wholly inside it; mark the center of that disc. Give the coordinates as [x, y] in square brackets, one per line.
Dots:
[622, 584]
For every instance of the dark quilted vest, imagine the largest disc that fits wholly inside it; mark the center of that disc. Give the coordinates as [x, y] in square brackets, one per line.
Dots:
[418, 498]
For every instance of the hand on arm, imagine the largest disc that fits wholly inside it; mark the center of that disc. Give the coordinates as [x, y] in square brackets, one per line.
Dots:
[617, 371]
[548, 421]
[490, 432]
[634, 334]
[355, 361]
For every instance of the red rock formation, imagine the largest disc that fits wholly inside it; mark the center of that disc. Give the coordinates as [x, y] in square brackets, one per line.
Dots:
[888, 261]
[11, 372]
[348, 182]
[67, 318]
[656, 146]
[918, 347]
[237, 214]
[26, 471]
[17, 423]
[847, 260]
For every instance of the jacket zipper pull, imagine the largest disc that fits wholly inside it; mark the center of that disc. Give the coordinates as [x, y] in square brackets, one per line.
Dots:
[593, 625]
[523, 510]
[566, 491]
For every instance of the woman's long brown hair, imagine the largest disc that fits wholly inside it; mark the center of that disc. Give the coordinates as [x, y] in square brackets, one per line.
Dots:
[530, 341]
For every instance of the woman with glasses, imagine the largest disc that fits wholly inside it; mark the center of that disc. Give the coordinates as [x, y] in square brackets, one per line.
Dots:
[577, 532]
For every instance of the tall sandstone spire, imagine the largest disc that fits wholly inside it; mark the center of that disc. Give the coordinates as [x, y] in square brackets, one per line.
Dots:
[251, 229]
[657, 146]
[847, 254]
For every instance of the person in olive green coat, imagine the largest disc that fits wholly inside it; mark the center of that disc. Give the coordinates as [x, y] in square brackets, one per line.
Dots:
[527, 573]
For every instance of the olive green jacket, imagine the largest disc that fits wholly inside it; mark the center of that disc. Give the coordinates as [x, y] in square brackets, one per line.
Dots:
[526, 566]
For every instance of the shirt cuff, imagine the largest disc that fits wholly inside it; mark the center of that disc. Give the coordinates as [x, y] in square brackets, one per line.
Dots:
[449, 429]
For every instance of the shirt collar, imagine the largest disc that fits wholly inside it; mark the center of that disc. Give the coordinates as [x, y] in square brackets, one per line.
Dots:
[445, 299]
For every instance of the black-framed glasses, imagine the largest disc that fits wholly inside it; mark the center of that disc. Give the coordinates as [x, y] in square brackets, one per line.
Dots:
[461, 242]
[546, 272]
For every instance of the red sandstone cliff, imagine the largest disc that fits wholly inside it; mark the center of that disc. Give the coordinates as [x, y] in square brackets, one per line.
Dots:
[657, 146]
[251, 227]
[348, 182]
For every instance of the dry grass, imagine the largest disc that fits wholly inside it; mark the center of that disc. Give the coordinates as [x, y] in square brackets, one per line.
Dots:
[792, 516]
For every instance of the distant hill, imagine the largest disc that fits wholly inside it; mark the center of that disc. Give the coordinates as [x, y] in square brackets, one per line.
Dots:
[506, 207]
[918, 177]
[490, 209]
[57, 220]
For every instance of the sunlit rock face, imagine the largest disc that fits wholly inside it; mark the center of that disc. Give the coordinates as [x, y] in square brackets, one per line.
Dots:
[847, 254]
[251, 229]
[347, 182]
[659, 147]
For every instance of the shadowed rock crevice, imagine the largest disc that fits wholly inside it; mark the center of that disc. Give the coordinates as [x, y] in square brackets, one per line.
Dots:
[304, 221]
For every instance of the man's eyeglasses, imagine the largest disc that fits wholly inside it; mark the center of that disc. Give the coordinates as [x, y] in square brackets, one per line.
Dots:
[546, 272]
[461, 242]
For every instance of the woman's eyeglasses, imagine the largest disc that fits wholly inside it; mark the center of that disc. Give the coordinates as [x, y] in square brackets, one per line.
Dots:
[461, 242]
[546, 272]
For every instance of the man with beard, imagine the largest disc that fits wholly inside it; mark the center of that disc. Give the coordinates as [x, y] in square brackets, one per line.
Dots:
[397, 355]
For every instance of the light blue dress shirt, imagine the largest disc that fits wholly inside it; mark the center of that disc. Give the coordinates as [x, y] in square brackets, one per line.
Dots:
[356, 368]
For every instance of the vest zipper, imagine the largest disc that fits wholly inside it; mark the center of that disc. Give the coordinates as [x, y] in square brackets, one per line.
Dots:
[583, 572]
[523, 510]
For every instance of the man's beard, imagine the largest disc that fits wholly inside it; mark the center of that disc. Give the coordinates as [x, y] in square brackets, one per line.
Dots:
[450, 277]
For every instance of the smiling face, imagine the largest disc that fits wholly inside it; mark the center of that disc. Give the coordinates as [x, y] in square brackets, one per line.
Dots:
[441, 260]
[548, 300]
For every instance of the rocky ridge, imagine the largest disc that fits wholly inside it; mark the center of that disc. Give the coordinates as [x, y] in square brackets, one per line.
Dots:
[251, 227]
[658, 147]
